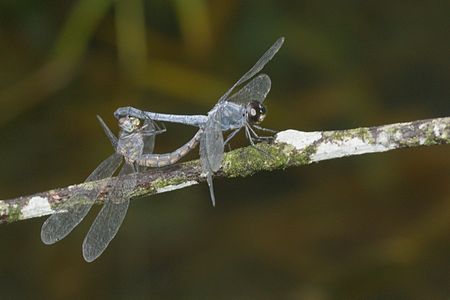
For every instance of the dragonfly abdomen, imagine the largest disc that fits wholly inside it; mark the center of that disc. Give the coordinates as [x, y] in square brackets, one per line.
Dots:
[161, 160]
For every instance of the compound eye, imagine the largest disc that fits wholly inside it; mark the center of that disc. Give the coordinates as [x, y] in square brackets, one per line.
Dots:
[256, 112]
[136, 122]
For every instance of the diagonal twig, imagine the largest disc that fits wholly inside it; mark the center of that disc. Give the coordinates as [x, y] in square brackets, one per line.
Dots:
[290, 148]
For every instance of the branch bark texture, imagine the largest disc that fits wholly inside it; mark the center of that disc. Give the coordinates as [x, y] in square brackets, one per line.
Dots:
[290, 148]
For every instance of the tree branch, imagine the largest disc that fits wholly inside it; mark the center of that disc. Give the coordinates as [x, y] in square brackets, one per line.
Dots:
[290, 148]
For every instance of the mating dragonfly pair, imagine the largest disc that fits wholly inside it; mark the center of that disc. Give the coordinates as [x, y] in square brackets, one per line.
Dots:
[134, 147]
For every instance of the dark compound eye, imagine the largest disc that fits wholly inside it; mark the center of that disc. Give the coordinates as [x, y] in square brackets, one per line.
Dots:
[256, 112]
[135, 121]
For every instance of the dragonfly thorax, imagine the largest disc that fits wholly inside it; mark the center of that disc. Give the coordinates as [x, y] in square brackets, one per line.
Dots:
[130, 146]
[130, 143]
[255, 112]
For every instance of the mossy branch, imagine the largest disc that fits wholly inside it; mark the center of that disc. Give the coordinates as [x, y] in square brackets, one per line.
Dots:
[290, 148]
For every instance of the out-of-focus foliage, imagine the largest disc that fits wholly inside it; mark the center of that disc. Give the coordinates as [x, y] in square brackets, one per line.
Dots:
[371, 227]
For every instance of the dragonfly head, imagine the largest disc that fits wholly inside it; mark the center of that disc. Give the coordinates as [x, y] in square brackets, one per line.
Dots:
[255, 112]
[129, 124]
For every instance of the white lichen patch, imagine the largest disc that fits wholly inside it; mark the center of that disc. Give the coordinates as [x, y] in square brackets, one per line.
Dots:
[36, 207]
[346, 147]
[175, 186]
[299, 139]
[398, 136]
[383, 139]
[423, 126]
[439, 130]
[3, 206]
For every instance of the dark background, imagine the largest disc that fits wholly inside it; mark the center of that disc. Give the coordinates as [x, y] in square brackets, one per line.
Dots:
[373, 227]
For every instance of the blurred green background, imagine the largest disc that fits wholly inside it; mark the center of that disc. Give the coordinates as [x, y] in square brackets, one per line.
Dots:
[369, 227]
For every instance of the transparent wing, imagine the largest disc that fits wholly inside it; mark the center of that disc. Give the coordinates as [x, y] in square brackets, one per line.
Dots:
[206, 168]
[265, 58]
[110, 217]
[256, 90]
[112, 138]
[149, 132]
[149, 136]
[69, 215]
[214, 144]
[211, 149]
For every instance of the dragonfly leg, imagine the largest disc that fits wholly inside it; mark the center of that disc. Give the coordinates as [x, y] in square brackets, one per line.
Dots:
[265, 129]
[152, 132]
[160, 128]
[231, 135]
[249, 136]
[257, 137]
[155, 129]
[248, 133]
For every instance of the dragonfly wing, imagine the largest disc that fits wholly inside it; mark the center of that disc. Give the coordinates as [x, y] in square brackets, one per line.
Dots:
[204, 155]
[256, 90]
[214, 145]
[112, 138]
[206, 168]
[69, 215]
[151, 129]
[211, 149]
[149, 136]
[265, 58]
[111, 216]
